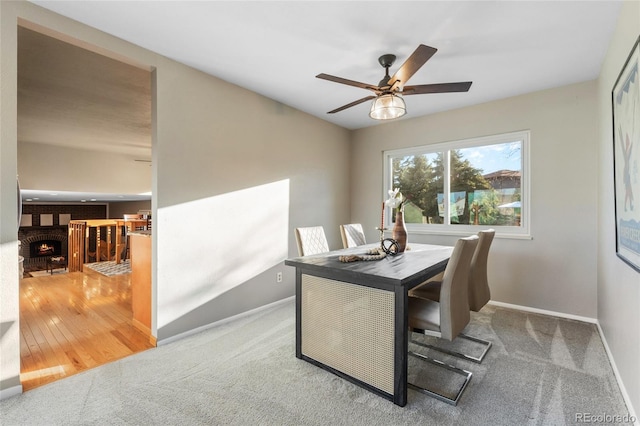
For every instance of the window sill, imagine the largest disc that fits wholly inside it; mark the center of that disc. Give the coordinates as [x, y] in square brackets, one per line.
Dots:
[466, 233]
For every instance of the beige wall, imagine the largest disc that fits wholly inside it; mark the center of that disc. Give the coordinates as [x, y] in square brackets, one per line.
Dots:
[216, 169]
[618, 283]
[554, 271]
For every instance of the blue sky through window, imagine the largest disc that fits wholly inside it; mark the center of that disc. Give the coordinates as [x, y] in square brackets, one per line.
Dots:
[491, 158]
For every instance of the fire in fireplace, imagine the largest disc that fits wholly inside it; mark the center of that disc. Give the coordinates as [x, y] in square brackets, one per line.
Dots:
[45, 248]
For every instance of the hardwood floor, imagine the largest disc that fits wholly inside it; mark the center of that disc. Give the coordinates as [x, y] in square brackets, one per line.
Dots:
[72, 322]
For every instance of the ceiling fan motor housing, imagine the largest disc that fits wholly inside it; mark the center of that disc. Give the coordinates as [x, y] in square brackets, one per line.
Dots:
[386, 61]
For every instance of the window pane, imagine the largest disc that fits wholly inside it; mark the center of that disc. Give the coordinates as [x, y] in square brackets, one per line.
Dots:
[479, 182]
[420, 179]
[486, 185]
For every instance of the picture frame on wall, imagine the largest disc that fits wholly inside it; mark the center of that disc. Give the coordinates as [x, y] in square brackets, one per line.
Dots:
[625, 98]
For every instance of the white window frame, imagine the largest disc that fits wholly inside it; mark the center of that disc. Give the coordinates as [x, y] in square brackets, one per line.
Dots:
[523, 231]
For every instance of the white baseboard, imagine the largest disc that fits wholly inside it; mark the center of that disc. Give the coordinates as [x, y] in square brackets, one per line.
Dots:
[222, 321]
[544, 312]
[616, 373]
[12, 391]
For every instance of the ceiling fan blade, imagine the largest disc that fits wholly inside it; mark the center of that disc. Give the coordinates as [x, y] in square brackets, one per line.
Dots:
[417, 59]
[437, 88]
[354, 103]
[347, 82]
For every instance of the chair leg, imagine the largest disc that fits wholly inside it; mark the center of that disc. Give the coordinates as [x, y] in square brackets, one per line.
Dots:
[487, 344]
[453, 401]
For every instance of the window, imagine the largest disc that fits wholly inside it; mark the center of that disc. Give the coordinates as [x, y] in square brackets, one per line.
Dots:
[485, 181]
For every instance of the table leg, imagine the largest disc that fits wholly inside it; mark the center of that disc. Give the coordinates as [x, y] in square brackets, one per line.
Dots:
[298, 313]
[400, 346]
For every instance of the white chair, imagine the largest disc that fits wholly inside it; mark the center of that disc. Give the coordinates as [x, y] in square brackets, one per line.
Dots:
[311, 240]
[352, 235]
[447, 318]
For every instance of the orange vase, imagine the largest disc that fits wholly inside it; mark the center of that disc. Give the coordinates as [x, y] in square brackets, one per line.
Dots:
[399, 232]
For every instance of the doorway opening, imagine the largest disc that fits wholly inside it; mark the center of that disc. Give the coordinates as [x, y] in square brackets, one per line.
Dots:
[84, 139]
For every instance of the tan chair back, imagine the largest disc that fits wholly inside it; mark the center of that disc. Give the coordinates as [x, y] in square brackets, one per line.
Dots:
[311, 240]
[479, 292]
[352, 235]
[454, 298]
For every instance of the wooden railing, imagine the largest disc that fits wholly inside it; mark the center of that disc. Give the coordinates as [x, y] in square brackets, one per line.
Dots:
[103, 230]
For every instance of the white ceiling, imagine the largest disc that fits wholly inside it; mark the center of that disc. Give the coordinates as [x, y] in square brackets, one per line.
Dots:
[71, 97]
[74, 98]
[276, 49]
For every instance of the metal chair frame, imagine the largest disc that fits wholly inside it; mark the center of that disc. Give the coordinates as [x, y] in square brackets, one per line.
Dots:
[453, 401]
[487, 345]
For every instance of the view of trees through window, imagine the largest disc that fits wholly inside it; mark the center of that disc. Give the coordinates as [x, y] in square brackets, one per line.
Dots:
[484, 184]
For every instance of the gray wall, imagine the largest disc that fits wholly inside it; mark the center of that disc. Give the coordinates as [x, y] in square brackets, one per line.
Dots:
[618, 284]
[234, 179]
[9, 301]
[239, 176]
[556, 269]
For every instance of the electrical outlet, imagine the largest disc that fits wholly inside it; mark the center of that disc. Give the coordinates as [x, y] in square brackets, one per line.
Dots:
[279, 277]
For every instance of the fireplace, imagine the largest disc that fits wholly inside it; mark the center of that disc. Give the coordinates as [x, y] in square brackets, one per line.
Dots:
[45, 248]
[38, 244]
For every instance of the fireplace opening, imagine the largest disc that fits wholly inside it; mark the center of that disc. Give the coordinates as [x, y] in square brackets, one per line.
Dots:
[44, 248]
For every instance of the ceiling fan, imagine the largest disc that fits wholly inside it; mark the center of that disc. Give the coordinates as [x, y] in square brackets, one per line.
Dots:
[388, 102]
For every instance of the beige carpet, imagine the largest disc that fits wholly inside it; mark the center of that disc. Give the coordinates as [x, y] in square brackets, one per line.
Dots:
[541, 371]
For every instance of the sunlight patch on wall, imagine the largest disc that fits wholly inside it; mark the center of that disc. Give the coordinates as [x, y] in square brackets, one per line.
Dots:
[212, 245]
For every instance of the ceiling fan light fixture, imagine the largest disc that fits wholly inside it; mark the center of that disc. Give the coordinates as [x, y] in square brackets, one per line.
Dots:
[387, 107]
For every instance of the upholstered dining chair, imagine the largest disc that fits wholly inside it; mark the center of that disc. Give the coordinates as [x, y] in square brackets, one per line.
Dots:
[352, 235]
[447, 318]
[311, 240]
[479, 292]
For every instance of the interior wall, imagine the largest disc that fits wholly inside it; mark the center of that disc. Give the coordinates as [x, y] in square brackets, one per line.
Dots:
[618, 283]
[9, 301]
[44, 167]
[556, 269]
[117, 210]
[234, 179]
[239, 175]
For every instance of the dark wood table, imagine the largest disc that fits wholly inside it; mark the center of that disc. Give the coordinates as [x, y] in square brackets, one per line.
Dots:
[351, 318]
